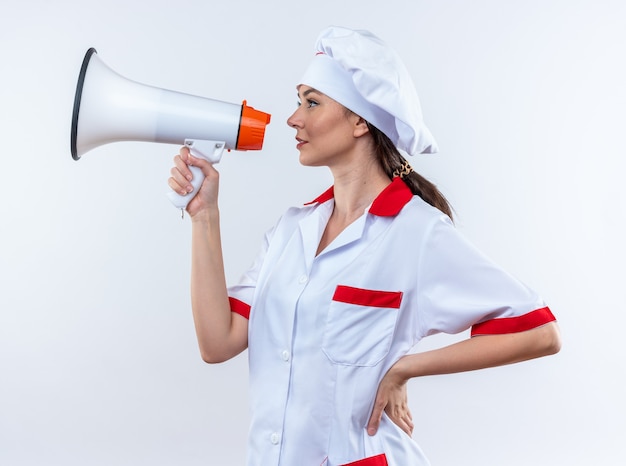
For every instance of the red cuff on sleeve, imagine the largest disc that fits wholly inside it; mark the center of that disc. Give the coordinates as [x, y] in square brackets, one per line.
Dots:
[239, 307]
[521, 323]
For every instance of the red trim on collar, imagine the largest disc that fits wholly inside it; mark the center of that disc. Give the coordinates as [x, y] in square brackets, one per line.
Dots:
[388, 203]
[392, 199]
[325, 196]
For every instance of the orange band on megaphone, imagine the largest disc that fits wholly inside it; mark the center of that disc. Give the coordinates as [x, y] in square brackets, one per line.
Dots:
[252, 128]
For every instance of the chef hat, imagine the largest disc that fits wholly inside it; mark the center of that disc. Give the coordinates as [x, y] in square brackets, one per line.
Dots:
[364, 74]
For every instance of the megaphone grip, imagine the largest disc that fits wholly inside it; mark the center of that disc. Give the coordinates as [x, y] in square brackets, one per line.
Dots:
[181, 201]
[208, 150]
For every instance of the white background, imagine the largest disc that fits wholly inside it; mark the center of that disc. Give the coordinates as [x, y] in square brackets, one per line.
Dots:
[98, 359]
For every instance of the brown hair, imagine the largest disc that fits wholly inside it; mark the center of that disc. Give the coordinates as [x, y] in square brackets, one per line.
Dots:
[393, 163]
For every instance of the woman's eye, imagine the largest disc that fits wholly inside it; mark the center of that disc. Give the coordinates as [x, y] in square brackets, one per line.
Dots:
[309, 103]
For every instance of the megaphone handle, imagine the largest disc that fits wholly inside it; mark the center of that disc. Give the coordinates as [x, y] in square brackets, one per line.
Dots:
[180, 201]
[208, 150]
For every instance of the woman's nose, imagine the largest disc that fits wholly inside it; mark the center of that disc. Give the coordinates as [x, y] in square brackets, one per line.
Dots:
[293, 121]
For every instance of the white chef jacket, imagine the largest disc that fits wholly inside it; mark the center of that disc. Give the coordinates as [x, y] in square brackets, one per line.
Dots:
[323, 330]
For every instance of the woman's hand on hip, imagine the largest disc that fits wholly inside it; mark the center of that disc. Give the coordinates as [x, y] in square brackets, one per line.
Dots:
[392, 399]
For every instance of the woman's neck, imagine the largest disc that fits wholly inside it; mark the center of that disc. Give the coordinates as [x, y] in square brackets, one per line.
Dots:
[355, 189]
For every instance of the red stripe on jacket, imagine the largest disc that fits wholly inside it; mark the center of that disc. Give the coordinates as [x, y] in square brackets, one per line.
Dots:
[378, 460]
[362, 297]
[239, 307]
[521, 323]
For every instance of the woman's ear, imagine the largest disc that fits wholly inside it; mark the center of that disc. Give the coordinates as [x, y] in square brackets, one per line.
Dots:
[360, 127]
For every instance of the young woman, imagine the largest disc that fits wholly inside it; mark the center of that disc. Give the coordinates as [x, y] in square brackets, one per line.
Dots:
[347, 284]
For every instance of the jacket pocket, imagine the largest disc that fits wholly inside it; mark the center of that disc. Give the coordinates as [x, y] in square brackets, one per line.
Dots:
[360, 325]
[378, 460]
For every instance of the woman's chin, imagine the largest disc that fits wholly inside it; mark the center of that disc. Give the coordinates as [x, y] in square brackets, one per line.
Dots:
[310, 161]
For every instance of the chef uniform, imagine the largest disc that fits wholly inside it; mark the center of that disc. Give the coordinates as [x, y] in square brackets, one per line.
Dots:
[324, 330]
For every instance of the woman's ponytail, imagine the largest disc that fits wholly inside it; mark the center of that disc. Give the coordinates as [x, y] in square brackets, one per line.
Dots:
[394, 164]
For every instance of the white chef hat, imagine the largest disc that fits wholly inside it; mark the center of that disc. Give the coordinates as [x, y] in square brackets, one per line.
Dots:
[364, 74]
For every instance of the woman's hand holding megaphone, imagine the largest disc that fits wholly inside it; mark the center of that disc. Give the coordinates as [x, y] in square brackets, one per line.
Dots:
[188, 168]
[110, 108]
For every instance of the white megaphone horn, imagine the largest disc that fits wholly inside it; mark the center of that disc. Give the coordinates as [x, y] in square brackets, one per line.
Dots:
[110, 108]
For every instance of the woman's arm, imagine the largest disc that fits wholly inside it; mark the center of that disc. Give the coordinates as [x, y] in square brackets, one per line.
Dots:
[479, 352]
[221, 333]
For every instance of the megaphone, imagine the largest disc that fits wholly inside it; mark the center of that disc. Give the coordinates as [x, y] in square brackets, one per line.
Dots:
[110, 108]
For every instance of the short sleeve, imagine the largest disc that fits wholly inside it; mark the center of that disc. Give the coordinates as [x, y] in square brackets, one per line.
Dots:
[459, 287]
[241, 294]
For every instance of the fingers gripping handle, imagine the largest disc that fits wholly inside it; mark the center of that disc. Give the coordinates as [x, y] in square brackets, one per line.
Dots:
[181, 201]
[208, 150]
